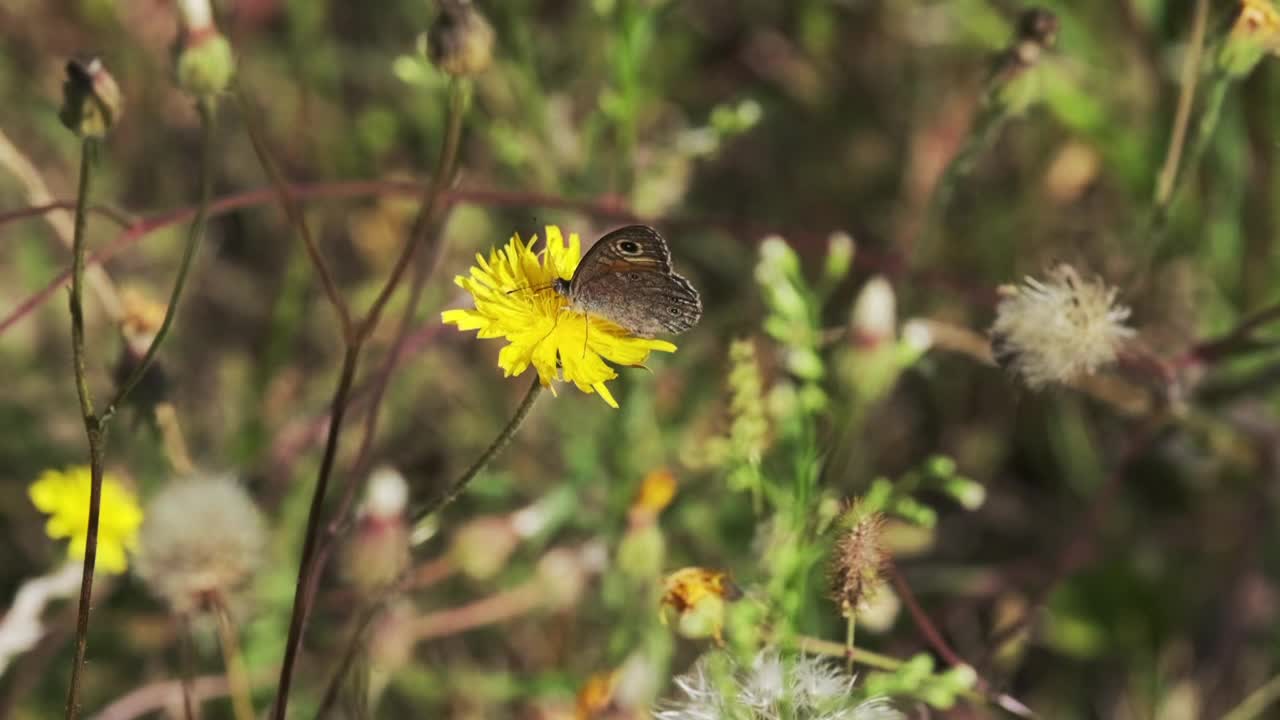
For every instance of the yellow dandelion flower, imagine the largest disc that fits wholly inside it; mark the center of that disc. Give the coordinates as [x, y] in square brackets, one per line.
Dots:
[514, 299]
[64, 497]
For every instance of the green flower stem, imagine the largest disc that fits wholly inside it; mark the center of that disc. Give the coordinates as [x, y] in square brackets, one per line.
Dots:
[293, 210]
[95, 425]
[358, 634]
[237, 677]
[986, 129]
[301, 606]
[858, 655]
[1190, 71]
[887, 663]
[354, 336]
[452, 492]
[361, 628]
[194, 235]
[459, 95]
[93, 429]
[1257, 702]
[850, 627]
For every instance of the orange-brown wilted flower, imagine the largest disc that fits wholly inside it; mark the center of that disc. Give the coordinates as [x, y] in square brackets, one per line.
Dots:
[695, 597]
[657, 489]
[1060, 329]
[858, 559]
[595, 697]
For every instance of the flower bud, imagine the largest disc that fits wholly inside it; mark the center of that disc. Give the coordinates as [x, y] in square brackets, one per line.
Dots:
[840, 252]
[378, 551]
[206, 63]
[481, 547]
[875, 316]
[91, 100]
[460, 42]
[642, 551]
[563, 576]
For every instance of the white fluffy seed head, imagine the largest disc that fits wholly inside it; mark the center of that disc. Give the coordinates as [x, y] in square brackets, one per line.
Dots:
[201, 538]
[1060, 329]
[803, 688]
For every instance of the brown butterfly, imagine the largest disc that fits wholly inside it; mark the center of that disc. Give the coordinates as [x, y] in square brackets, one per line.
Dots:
[626, 278]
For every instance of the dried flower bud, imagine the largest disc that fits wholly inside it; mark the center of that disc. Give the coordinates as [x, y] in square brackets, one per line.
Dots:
[1060, 329]
[205, 63]
[91, 100]
[202, 539]
[1039, 26]
[460, 42]
[1037, 29]
[858, 559]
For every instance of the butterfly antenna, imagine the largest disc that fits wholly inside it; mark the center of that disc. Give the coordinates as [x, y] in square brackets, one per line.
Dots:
[586, 333]
[533, 288]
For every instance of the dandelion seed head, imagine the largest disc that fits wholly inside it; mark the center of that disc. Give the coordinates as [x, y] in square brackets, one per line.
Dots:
[203, 537]
[773, 687]
[1059, 329]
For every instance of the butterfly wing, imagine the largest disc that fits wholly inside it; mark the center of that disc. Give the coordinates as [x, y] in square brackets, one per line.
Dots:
[626, 278]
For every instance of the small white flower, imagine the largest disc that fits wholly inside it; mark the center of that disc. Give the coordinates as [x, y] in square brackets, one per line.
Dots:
[773, 688]
[1060, 329]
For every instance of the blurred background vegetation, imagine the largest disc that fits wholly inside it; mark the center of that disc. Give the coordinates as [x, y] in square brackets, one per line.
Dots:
[1099, 550]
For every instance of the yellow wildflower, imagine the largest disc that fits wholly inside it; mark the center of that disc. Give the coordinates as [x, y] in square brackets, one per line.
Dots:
[514, 299]
[64, 496]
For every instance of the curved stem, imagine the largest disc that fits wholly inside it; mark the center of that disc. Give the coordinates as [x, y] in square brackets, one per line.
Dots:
[355, 337]
[307, 565]
[1190, 71]
[1257, 702]
[96, 426]
[452, 492]
[294, 212]
[194, 235]
[92, 426]
[445, 166]
[237, 677]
